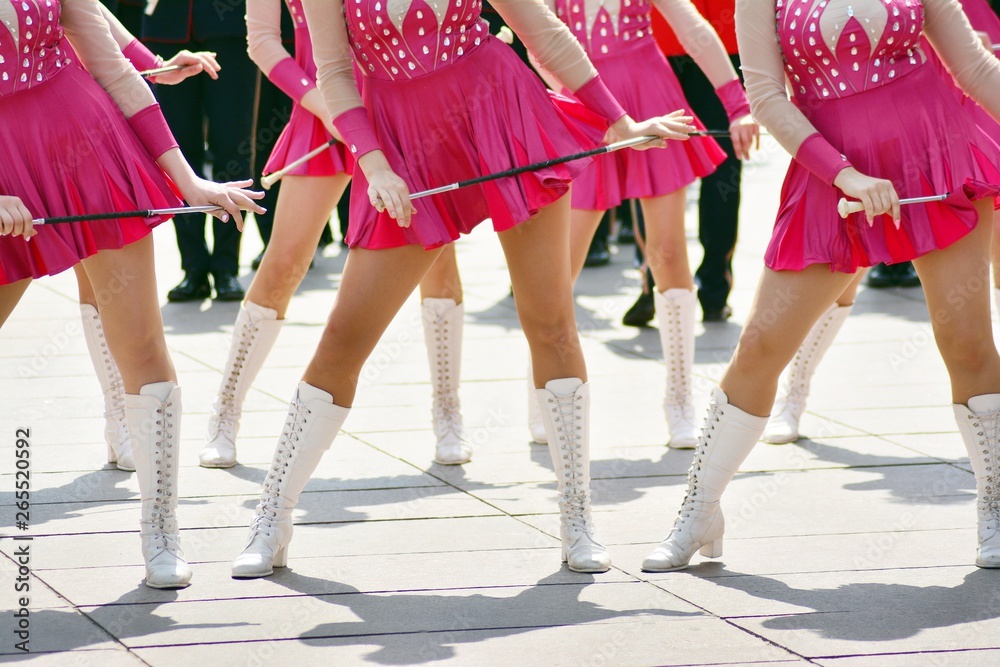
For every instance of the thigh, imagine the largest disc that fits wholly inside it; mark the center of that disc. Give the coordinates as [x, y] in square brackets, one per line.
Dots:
[538, 258]
[374, 286]
[786, 306]
[305, 205]
[442, 280]
[956, 279]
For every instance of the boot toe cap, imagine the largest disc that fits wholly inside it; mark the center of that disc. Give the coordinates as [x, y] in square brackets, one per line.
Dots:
[217, 456]
[251, 566]
[453, 454]
[664, 559]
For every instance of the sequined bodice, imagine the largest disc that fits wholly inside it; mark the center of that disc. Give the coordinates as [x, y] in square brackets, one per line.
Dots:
[606, 27]
[836, 48]
[30, 50]
[405, 39]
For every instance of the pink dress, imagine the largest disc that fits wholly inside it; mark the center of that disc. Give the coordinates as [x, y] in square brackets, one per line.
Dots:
[67, 147]
[983, 19]
[295, 77]
[445, 101]
[865, 96]
[623, 50]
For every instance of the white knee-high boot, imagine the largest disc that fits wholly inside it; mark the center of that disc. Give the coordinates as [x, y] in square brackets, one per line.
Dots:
[115, 428]
[444, 321]
[783, 426]
[675, 310]
[565, 405]
[727, 438]
[979, 424]
[154, 422]
[312, 424]
[996, 299]
[536, 425]
[254, 335]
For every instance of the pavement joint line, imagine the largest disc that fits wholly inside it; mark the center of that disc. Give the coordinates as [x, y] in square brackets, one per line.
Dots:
[656, 583]
[317, 596]
[891, 653]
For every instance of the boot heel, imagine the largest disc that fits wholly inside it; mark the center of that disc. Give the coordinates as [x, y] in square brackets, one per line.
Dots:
[281, 557]
[112, 455]
[712, 549]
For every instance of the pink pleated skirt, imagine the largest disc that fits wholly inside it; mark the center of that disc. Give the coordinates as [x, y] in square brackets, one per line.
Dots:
[912, 132]
[304, 133]
[68, 150]
[646, 86]
[484, 114]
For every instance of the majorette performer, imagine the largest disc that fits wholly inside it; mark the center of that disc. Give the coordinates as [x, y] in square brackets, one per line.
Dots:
[619, 40]
[445, 101]
[872, 120]
[89, 141]
[308, 194]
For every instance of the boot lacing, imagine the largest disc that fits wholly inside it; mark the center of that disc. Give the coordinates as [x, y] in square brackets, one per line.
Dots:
[801, 371]
[679, 381]
[162, 521]
[225, 412]
[447, 409]
[987, 427]
[114, 399]
[688, 505]
[266, 514]
[575, 500]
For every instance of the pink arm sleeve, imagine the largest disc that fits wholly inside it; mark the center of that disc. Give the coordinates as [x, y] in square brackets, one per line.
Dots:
[101, 56]
[335, 73]
[763, 69]
[268, 53]
[557, 52]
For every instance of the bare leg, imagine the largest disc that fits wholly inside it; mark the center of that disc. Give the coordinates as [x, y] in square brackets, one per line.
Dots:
[956, 284]
[996, 249]
[583, 226]
[666, 243]
[538, 258]
[125, 288]
[786, 306]
[796, 381]
[304, 206]
[374, 287]
[442, 280]
[86, 290]
[10, 295]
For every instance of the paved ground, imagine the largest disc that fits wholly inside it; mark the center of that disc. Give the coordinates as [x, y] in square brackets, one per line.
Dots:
[851, 548]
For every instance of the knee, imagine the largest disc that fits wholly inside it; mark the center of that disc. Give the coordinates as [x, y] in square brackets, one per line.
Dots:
[554, 331]
[757, 353]
[967, 348]
[664, 255]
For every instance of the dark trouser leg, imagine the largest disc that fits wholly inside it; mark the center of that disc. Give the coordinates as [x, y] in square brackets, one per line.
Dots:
[229, 107]
[344, 210]
[719, 203]
[183, 108]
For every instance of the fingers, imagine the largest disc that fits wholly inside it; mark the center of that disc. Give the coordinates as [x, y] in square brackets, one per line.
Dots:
[740, 145]
[6, 223]
[393, 199]
[896, 218]
[25, 214]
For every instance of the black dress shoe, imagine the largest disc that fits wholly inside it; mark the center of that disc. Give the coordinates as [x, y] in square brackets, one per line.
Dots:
[716, 314]
[255, 262]
[227, 288]
[906, 275]
[192, 288]
[881, 276]
[598, 254]
[642, 311]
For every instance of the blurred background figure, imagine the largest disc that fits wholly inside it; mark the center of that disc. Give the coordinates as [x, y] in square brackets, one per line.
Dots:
[202, 112]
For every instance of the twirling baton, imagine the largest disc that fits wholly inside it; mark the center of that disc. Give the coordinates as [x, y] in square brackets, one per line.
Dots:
[163, 70]
[845, 207]
[116, 215]
[267, 181]
[610, 148]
